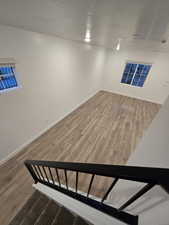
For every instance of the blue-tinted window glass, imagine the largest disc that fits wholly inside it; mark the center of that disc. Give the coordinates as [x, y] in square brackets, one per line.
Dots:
[135, 74]
[129, 73]
[7, 77]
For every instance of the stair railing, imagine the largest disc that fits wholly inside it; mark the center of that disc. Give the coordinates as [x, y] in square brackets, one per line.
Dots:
[43, 172]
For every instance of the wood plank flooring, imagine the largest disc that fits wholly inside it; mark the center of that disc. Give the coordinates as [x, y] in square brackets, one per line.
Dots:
[105, 129]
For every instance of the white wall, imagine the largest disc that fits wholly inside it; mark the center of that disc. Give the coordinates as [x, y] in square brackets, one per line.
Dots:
[56, 76]
[156, 87]
[153, 151]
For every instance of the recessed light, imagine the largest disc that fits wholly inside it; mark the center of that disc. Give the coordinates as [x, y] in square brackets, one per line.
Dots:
[87, 36]
[118, 46]
[87, 40]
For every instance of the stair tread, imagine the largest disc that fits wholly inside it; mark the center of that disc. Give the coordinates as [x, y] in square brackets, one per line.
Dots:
[40, 210]
[35, 211]
[23, 212]
[48, 214]
[65, 217]
[81, 221]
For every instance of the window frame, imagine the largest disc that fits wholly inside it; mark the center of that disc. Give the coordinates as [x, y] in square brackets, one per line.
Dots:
[138, 63]
[8, 63]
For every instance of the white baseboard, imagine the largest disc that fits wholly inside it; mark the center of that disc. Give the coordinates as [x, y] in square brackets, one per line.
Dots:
[132, 96]
[20, 148]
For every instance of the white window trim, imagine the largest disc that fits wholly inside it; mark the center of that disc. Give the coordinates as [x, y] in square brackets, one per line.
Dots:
[12, 62]
[138, 63]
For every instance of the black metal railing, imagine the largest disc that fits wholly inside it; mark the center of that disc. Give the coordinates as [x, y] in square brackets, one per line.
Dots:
[43, 172]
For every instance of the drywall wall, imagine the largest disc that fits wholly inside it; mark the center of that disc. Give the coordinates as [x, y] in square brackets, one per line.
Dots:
[56, 76]
[156, 87]
[153, 151]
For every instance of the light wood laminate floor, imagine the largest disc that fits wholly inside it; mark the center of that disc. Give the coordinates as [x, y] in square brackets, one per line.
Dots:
[105, 129]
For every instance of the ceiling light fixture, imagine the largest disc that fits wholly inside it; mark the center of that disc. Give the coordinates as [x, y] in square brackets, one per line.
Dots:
[88, 27]
[118, 45]
[87, 36]
[87, 40]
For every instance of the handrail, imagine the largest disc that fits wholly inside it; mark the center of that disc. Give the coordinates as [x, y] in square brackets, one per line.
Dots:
[150, 176]
[158, 176]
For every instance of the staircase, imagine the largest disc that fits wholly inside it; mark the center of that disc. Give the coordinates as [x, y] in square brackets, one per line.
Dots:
[40, 210]
[47, 173]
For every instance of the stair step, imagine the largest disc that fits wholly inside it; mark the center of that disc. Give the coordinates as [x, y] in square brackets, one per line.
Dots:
[28, 205]
[80, 221]
[36, 211]
[49, 214]
[40, 210]
[65, 217]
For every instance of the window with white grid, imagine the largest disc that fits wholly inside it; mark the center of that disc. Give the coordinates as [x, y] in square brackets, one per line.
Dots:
[135, 74]
[7, 76]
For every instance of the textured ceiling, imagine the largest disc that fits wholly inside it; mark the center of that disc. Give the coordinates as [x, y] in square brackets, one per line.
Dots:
[141, 24]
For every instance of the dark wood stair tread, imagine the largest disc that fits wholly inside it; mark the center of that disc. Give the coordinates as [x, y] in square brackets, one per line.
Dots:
[25, 209]
[36, 211]
[65, 217]
[81, 221]
[40, 210]
[49, 214]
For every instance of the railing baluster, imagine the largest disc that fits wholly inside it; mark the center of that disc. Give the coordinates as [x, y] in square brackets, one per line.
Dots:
[149, 176]
[57, 174]
[40, 172]
[34, 167]
[166, 188]
[77, 181]
[51, 175]
[32, 172]
[65, 171]
[137, 195]
[90, 185]
[45, 173]
[110, 188]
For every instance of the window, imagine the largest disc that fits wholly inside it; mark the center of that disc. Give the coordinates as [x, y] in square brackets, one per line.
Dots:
[7, 77]
[135, 74]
